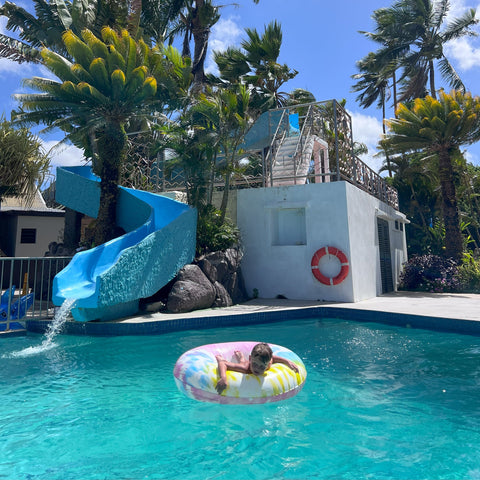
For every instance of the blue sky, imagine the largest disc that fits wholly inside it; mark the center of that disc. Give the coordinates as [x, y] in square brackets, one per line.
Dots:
[320, 41]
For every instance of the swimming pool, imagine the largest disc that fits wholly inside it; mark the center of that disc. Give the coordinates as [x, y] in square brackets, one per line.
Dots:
[379, 402]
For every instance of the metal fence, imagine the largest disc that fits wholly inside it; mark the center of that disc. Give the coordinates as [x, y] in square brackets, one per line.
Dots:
[26, 287]
[327, 120]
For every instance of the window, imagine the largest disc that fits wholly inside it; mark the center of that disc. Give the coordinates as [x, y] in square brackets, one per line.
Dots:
[289, 227]
[28, 235]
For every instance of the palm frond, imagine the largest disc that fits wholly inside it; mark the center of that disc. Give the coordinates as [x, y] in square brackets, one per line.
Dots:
[18, 51]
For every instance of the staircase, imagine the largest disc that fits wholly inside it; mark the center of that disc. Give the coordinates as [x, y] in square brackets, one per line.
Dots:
[292, 161]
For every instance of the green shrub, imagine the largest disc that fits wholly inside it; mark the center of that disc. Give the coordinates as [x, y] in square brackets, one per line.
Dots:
[468, 274]
[430, 273]
[212, 234]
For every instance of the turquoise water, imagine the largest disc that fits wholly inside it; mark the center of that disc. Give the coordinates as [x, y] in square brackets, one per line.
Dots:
[379, 402]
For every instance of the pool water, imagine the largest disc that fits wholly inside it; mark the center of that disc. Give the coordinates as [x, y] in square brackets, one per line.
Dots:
[379, 402]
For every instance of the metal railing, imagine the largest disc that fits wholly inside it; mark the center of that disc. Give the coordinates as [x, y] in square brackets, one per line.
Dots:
[27, 278]
[327, 120]
[277, 139]
[298, 156]
[331, 122]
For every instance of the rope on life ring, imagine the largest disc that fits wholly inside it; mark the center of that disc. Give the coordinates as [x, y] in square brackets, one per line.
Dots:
[317, 256]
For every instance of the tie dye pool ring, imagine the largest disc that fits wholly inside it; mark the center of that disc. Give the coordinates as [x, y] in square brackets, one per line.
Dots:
[196, 375]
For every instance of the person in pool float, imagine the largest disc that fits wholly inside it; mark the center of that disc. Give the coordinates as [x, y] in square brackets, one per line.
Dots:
[260, 360]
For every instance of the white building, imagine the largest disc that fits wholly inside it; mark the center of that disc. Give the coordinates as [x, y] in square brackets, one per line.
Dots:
[27, 230]
[283, 227]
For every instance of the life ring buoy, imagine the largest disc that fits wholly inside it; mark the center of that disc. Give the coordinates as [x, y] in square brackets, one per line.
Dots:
[196, 375]
[344, 266]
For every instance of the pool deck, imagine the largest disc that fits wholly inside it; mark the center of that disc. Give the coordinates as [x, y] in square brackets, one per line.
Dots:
[458, 313]
[445, 305]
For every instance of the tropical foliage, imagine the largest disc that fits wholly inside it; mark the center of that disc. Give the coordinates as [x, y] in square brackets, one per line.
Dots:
[438, 128]
[23, 163]
[255, 64]
[112, 82]
[213, 233]
[187, 19]
[51, 19]
[411, 35]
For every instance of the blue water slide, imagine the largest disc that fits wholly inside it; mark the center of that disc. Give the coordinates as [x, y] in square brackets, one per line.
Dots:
[107, 281]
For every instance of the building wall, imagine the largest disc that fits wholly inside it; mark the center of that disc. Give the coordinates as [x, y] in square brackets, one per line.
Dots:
[48, 229]
[283, 227]
[363, 211]
[7, 234]
[231, 213]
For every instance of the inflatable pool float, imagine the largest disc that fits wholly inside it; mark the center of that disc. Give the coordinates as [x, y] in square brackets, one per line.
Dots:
[196, 375]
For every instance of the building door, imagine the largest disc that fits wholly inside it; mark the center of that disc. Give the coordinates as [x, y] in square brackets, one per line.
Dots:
[385, 255]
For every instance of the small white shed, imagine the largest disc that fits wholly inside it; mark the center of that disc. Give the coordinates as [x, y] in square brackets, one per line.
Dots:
[27, 230]
[283, 227]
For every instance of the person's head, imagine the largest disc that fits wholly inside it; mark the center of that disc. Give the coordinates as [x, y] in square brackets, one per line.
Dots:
[260, 358]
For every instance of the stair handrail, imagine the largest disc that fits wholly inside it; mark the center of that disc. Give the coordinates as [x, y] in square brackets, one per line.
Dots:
[304, 133]
[277, 140]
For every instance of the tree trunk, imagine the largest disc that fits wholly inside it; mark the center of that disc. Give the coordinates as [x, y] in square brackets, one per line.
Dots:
[432, 79]
[200, 34]
[134, 14]
[387, 158]
[394, 79]
[111, 151]
[453, 234]
[226, 191]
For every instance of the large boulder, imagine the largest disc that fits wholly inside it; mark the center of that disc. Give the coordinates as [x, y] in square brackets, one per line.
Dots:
[191, 291]
[222, 297]
[219, 262]
[224, 268]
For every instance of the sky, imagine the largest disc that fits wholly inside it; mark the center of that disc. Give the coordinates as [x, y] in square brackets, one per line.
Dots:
[321, 40]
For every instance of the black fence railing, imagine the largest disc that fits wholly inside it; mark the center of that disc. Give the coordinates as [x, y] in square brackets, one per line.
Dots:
[26, 287]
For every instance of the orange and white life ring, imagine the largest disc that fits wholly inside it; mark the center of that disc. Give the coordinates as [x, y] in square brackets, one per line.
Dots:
[344, 267]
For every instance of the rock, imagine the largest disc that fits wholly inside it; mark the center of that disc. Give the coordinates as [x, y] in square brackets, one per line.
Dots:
[233, 257]
[152, 307]
[222, 298]
[208, 269]
[218, 260]
[191, 291]
[236, 287]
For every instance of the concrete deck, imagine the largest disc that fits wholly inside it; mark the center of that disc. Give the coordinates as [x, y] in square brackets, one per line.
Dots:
[442, 305]
[458, 313]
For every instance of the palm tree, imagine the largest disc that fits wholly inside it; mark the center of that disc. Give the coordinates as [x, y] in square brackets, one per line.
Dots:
[256, 65]
[413, 35]
[52, 18]
[300, 96]
[228, 112]
[373, 87]
[390, 34]
[113, 81]
[372, 83]
[24, 165]
[438, 128]
[428, 36]
[188, 19]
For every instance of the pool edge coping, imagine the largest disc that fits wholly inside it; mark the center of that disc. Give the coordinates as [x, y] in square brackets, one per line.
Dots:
[162, 326]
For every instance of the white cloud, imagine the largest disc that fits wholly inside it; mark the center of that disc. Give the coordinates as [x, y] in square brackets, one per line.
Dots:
[472, 158]
[64, 155]
[458, 7]
[465, 50]
[13, 68]
[367, 130]
[225, 33]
